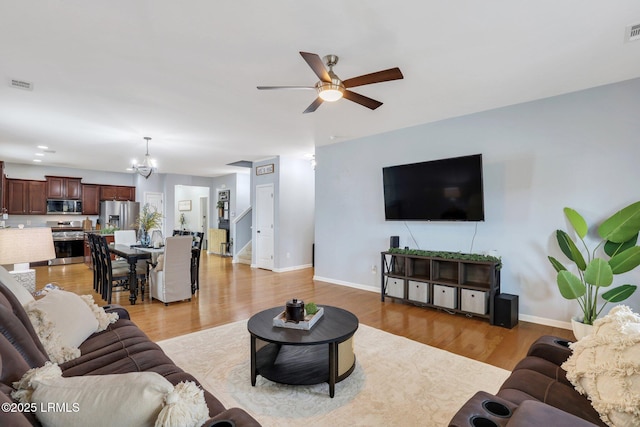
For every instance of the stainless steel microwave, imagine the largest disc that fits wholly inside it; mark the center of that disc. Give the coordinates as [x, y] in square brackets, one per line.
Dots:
[64, 207]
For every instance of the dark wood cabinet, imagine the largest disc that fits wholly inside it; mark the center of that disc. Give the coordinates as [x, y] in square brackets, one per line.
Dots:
[26, 197]
[117, 192]
[90, 199]
[61, 187]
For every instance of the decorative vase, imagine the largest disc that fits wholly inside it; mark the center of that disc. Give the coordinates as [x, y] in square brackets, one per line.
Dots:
[580, 330]
[145, 238]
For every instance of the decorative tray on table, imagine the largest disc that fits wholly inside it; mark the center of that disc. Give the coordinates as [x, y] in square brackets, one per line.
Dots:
[306, 324]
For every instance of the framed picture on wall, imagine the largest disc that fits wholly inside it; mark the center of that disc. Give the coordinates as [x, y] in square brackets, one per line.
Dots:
[184, 205]
[264, 169]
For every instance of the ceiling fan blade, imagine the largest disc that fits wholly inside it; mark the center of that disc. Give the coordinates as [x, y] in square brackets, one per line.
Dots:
[284, 87]
[361, 99]
[378, 77]
[316, 65]
[314, 106]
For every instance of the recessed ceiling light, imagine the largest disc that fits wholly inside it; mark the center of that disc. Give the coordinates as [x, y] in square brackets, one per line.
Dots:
[40, 154]
[43, 147]
[37, 160]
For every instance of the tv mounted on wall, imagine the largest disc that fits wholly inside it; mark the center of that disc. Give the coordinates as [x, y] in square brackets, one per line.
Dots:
[437, 190]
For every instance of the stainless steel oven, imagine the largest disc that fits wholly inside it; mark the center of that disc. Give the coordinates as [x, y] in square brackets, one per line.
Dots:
[68, 241]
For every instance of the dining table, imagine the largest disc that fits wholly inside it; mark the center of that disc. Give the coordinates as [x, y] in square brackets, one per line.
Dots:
[132, 254]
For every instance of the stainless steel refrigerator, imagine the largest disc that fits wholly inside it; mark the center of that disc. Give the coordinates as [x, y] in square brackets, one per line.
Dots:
[122, 215]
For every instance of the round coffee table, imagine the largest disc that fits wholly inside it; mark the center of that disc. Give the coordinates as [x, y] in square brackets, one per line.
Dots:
[299, 357]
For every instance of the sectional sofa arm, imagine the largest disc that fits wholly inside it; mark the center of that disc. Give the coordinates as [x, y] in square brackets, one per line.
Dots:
[532, 413]
[232, 417]
[117, 308]
[485, 409]
[553, 349]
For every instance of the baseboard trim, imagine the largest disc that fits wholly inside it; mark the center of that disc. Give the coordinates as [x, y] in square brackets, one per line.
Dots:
[545, 321]
[348, 284]
[295, 267]
[524, 317]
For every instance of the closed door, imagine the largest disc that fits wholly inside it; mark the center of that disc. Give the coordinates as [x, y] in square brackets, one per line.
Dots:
[264, 226]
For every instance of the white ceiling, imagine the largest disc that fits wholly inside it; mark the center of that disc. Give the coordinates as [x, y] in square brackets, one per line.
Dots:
[108, 73]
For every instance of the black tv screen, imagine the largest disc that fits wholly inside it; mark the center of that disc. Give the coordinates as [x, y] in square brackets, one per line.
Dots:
[437, 190]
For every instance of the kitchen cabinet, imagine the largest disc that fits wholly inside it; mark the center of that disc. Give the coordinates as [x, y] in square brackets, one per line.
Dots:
[117, 192]
[90, 199]
[61, 187]
[26, 197]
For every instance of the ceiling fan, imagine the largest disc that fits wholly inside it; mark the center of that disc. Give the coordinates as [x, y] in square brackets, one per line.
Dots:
[330, 88]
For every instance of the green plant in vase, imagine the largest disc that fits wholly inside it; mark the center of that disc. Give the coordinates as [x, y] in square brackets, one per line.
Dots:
[148, 219]
[619, 235]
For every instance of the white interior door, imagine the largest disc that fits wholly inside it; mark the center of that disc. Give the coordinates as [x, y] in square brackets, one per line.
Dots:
[264, 226]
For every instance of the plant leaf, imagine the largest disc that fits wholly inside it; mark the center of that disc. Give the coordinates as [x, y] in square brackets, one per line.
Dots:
[611, 248]
[622, 225]
[598, 273]
[577, 222]
[626, 260]
[556, 264]
[570, 249]
[571, 287]
[620, 293]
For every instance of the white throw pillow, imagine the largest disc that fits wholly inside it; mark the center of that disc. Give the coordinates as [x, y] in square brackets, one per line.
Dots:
[62, 320]
[606, 367]
[135, 399]
[23, 295]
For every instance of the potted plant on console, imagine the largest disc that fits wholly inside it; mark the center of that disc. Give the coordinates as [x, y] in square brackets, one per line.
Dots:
[618, 237]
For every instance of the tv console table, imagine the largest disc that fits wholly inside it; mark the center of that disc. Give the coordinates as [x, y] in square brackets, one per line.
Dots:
[467, 285]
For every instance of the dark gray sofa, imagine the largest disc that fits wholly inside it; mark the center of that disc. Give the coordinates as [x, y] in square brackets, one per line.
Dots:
[122, 348]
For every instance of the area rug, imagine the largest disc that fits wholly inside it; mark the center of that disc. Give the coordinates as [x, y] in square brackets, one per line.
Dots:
[396, 382]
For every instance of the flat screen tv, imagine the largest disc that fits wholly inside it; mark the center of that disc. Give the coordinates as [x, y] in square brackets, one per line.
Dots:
[437, 190]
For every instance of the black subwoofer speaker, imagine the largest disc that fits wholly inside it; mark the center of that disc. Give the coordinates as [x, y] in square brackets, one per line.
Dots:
[394, 242]
[506, 310]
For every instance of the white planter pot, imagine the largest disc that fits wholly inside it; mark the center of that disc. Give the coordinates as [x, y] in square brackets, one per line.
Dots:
[580, 330]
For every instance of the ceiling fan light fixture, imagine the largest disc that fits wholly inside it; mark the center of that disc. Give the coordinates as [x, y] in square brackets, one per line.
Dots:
[329, 91]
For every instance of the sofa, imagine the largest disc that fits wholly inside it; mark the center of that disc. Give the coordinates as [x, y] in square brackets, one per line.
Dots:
[537, 393]
[121, 348]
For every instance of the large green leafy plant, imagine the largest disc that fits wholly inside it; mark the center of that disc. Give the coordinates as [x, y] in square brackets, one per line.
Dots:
[619, 235]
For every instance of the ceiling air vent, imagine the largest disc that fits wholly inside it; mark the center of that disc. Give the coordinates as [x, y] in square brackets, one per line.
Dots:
[21, 84]
[632, 33]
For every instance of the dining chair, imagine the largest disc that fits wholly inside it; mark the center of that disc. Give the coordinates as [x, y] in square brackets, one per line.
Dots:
[95, 263]
[170, 278]
[196, 250]
[115, 274]
[125, 237]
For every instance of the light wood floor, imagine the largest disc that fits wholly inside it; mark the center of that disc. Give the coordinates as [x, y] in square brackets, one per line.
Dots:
[230, 292]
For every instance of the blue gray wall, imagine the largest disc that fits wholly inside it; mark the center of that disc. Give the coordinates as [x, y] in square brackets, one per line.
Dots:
[579, 150]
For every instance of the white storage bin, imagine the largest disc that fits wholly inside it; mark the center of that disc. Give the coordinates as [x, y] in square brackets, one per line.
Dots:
[395, 287]
[444, 296]
[474, 301]
[418, 291]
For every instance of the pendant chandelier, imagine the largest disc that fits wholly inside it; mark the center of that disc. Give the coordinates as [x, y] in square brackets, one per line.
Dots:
[146, 168]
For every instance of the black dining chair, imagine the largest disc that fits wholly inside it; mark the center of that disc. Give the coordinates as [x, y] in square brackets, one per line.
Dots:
[115, 274]
[196, 250]
[95, 263]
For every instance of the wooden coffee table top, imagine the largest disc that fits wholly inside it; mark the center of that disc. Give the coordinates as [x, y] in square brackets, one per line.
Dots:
[336, 325]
